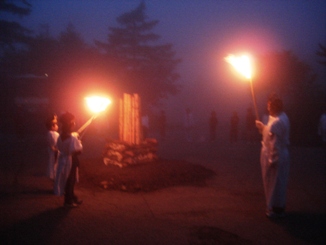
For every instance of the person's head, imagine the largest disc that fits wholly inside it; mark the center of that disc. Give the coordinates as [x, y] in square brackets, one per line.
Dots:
[68, 122]
[274, 105]
[51, 123]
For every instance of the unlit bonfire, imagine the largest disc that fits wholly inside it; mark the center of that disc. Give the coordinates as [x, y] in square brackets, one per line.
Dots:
[123, 154]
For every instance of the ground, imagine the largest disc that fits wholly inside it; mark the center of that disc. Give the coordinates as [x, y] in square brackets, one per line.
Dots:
[144, 177]
[197, 193]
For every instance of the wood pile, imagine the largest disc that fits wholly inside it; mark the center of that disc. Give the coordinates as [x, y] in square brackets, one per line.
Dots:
[129, 119]
[132, 148]
[123, 154]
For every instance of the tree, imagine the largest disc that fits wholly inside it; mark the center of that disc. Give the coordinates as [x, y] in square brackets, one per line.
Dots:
[140, 65]
[11, 32]
[322, 54]
[284, 73]
[66, 62]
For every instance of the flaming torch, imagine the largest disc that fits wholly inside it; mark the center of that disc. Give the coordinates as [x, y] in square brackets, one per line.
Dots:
[243, 65]
[96, 104]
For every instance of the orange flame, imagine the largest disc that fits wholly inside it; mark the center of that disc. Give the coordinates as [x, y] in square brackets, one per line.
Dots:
[241, 63]
[97, 104]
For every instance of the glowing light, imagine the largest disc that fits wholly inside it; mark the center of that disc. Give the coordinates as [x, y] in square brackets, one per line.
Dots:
[241, 63]
[97, 104]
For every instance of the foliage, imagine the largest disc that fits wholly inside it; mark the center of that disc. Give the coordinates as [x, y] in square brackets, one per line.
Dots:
[11, 32]
[130, 62]
[293, 79]
[141, 66]
[66, 62]
[283, 73]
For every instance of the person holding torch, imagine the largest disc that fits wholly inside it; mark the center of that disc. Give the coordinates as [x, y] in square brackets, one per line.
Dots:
[274, 158]
[69, 147]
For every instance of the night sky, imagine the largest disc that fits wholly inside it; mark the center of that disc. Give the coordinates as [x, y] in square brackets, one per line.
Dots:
[202, 31]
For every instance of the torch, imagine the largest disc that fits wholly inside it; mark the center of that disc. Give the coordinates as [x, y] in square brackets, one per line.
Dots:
[96, 104]
[243, 65]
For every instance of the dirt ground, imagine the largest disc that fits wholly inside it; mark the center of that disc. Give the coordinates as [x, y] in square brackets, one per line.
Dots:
[144, 177]
[196, 193]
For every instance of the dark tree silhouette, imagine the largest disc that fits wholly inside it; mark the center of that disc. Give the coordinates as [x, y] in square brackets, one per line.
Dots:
[39, 58]
[322, 54]
[293, 79]
[73, 66]
[140, 65]
[11, 32]
[284, 73]
[66, 61]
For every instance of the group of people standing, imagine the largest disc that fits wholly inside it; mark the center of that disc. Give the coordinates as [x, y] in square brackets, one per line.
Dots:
[274, 157]
[234, 127]
[63, 162]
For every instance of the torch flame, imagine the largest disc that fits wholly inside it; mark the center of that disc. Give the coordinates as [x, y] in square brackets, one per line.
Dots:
[241, 63]
[97, 103]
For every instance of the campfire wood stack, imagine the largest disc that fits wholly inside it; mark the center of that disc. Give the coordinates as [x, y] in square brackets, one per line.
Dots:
[129, 121]
[131, 148]
[123, 154]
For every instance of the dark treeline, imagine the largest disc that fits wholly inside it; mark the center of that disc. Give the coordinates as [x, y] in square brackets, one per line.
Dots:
[295, 82]
[133, 60]
[65, 68]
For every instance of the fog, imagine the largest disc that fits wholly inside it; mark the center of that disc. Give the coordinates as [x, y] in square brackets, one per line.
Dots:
[202, 34]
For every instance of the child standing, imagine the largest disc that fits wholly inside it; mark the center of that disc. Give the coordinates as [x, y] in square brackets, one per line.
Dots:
[69, 147]
[52, 137]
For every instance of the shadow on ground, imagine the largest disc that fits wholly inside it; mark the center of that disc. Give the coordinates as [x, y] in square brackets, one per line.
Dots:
[201, 235]
[143, 177]
[37, 230]
[309, 227]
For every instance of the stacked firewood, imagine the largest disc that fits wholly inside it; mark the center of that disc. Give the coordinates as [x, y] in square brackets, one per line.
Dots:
[132, 148]
[123, 154]
[130, 129]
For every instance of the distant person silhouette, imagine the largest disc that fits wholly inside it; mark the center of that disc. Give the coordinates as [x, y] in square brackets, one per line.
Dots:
[162, 125]
[322, 127]
[234, 123]
[145, 125]
[212, 126]
[250, 126]
[189, 125]
[322, 130]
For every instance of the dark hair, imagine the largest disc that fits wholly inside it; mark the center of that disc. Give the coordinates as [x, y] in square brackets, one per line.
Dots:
[50, 121]
[67, 120]
[276, 104]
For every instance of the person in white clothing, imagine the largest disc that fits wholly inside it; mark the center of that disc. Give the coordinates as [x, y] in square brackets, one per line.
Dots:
[69, 147]
[322, 127]
[274, 158]
[322, 131]
[51, 138]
